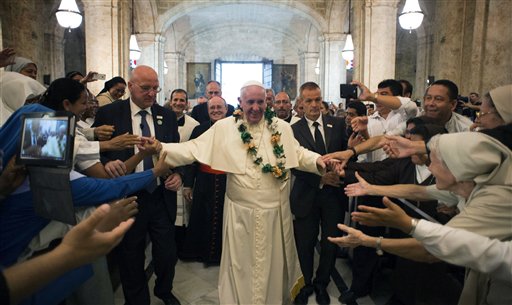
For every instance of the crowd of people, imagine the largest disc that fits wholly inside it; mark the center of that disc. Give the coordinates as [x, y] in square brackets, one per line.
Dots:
[257, 189]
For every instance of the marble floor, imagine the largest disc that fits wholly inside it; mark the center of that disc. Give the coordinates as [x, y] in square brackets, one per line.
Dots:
[197, 285]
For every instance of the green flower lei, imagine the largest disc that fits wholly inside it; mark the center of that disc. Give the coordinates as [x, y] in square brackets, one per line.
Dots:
[278, 170]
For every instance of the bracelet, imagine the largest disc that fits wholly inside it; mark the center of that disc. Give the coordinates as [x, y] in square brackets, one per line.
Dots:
[379, 248]
[353, 151]
[414, 223]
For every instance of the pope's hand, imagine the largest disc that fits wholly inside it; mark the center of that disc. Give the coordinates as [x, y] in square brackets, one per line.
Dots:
[320, 163]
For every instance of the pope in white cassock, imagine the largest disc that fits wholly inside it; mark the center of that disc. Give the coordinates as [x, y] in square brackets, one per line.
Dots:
[259, 263]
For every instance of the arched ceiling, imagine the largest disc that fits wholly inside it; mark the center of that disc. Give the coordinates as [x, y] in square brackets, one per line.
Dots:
[243, 30]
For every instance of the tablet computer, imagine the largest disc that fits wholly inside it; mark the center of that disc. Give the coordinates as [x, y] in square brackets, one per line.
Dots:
[47, 139]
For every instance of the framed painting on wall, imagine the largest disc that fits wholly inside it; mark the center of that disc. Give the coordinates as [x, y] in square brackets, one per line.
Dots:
[284, 78]
[198, 75]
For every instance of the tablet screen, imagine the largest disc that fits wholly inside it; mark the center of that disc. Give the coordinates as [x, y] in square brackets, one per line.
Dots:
[46, 139]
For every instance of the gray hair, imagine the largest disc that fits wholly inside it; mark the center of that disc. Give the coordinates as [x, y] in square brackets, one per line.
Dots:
[225, 103]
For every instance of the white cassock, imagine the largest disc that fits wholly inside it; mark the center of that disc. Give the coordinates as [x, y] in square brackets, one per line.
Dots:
[183, 208]
[259, 263]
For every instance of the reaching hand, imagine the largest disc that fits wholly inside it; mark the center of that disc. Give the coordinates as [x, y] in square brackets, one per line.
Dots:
[7, 56]
[161, 168]
[115, 168]
[399, 147]
[335, 165]
[342, 156]
[392, 216]
[120, 210]
[86, 243]
[354, 238]
[149, 146]
[104, 132]
[355, 139]
[359, 124]
[362, 188]
[173, 182]
[124, 141]
[320, 163]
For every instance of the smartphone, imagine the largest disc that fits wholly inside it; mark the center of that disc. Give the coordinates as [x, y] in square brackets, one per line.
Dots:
[348, 91]
[99, 76]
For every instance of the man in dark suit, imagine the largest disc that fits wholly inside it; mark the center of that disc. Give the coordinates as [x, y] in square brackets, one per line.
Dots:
[317, 201]
[157, 205]
[200, 111]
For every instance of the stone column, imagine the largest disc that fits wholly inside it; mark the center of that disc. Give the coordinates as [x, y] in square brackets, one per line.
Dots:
[379, 41]
[333, 67]
[152, 47]
[308, 61]
[103, 33]
[174, 77]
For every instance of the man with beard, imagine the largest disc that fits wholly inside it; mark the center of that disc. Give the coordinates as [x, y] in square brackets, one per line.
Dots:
[283, 106]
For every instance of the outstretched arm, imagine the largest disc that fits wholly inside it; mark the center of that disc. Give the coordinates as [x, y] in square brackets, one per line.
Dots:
[81, 245]
[406, 191]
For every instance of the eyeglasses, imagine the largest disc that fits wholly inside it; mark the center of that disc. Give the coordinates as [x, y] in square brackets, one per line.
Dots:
[481, 114]
[279, 102]
[148, 89]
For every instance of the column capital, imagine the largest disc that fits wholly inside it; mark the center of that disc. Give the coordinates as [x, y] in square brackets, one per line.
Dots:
[375, 3]
[307, 55]
[333, 37]
[173, 56]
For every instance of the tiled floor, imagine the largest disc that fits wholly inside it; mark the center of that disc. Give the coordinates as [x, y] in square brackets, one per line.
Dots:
[196, 285]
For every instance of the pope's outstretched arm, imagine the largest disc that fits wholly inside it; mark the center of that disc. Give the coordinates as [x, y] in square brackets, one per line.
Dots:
[198, 149]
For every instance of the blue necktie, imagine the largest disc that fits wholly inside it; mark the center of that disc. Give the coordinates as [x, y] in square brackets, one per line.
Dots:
[148, 161]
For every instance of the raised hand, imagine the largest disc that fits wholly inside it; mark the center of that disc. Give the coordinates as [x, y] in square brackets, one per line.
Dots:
[366, 94]
[7, 56]
[150, 146]
[120, 210]
[392, 216]
[342, 156]
[89, 77]
[331, 178]
[85, 242]
[12, 177]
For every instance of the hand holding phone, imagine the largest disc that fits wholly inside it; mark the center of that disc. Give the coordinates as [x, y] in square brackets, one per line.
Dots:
[348, 91]
[98, 76]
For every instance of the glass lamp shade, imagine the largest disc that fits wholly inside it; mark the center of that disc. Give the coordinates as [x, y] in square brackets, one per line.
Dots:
[411, 16]
[68, 15]
[134, 48]
[348, 51]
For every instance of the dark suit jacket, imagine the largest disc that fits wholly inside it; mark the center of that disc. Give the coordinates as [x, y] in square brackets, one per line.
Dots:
[200, 112]
[306, 186]
[118, 114]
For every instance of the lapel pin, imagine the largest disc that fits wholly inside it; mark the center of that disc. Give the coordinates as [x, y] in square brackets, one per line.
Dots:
[159, 122]
[329, 125]
[159, 117]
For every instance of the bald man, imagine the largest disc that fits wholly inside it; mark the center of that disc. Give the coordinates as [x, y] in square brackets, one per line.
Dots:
[141, 115]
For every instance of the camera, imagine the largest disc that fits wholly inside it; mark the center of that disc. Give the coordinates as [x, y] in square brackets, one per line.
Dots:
[348, 91]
